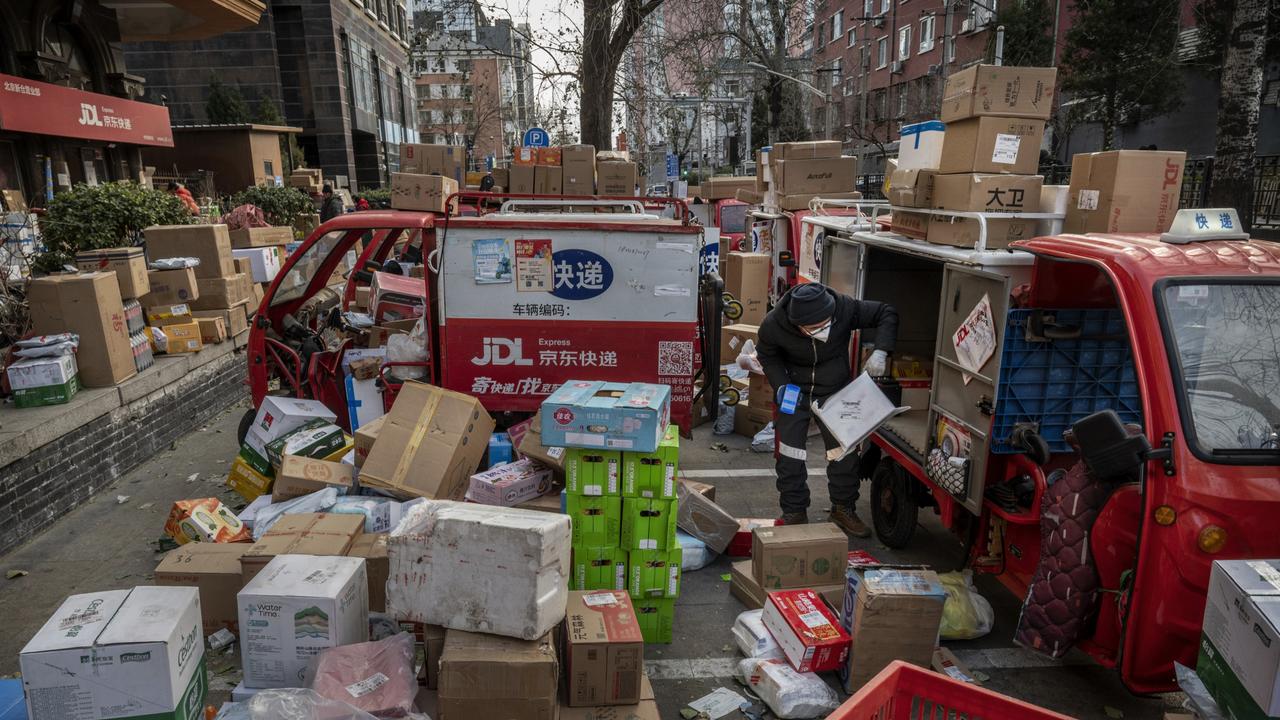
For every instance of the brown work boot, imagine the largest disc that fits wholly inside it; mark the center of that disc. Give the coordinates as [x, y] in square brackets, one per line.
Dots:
[847, 520]
[795, 518]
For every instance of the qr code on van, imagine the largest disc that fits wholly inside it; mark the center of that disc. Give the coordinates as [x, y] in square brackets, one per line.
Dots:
[675, 358]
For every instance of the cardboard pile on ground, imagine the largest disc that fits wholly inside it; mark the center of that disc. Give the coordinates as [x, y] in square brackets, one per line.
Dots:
[277, 418]
[220, 289]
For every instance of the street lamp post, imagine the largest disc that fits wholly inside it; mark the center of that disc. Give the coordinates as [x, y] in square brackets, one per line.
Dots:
[826, 96]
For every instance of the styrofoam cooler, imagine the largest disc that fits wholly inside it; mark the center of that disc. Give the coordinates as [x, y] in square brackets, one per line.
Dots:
[920, 145]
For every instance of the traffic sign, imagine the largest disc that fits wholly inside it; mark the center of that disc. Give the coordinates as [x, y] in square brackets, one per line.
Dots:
[536, 137]
[673, 166]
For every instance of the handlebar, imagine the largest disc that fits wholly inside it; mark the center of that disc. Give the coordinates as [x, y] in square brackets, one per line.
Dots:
[682, 208]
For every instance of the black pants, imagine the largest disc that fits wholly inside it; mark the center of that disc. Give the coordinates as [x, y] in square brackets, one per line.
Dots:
[792, 432]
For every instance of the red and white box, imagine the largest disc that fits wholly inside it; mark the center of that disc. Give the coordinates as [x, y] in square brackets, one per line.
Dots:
[807, 630]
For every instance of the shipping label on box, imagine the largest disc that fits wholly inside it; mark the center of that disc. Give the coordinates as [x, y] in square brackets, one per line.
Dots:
[654, 573]
[733, 338]
[214, 570]
[789, 556]
[806, 629]
[598, 568]
[603, 649]
[615, 416]
[597, 520]
[593, 472]
[653, 475]
[648, 524]
[510, 484]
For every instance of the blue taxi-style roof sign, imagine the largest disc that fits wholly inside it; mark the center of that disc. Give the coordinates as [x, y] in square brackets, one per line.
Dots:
[1197, 225]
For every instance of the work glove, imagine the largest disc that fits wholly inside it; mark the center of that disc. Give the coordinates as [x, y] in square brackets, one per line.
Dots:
[875, 365]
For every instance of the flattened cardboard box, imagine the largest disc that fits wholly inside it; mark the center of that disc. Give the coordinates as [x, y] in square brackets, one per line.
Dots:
[214, 570]
[489, 676]
[603, 649]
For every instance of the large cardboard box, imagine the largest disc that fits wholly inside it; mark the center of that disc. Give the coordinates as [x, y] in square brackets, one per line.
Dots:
[261, 237]
[911, 224]
[600, 568]
[912, 188]
[294, 609]
[896, 617]
[1124, 191]
[818, 175]
[221, 293]
[548, 156]
[430, 443]
[486, 676]
[302, 534]
[1239, 659]
[616, 416]
[790, 556]
[170, 287]
[211, 244]
[986, 192]
[804, 150]
[525, 156]
[807, 631]
[964, 232]
[579, 163]
[300, 476]
[88, 305]
[214, 570]
[746, 278]
[373, 548]
[616, 178]
[127, 263]
[426, 193]
[734, 337]
[992, 145]
[1021, 92]
[547, 180]
[443, 160]
[119, 653]
[748, 591]
[726, 187]
[704, 519]
[603, 649]
[646, 709]
[523, 180]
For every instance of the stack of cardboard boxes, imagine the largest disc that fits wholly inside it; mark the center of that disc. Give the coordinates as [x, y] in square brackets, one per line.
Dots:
[746, 278]
[310, 180]
[428, 175]
[573, 170]
[212, 300]
[789, 175]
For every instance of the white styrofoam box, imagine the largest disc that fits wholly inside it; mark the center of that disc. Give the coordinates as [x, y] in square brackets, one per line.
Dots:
[920, 145]
[41, 371]
[264, 261]
[278, 415]
[118, 654]
[479, 568]
[297, 606]
[1242, 621]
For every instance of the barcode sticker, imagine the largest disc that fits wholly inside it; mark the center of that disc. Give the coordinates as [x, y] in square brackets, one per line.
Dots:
[613, 477]
[1088, 200]
[669, 482]
[594, 490]
[1005, 151]
[555, 452]
[367, 685]
[649, 544]
[673, 579]
[814, 619]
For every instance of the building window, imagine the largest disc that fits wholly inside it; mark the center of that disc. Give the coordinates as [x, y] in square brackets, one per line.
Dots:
[927, 27]
[268, 168]
[882, 53]
[852, 37]
[837, 25]
[835, 73]
[904, 43]
[903, 92]
[878, 104]
[885, 5]
[868, 8]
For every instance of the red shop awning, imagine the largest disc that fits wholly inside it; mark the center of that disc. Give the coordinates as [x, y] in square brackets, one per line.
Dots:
[36, 107]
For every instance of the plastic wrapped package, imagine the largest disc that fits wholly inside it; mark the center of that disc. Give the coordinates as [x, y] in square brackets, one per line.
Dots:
[789, 694]
[174, 263]
[696, 555]
[747, 359]
[966, 614]
[233, 711]
[295, 704]
[380, 514]
[376, 677]
[47, 346]
[318, 501]
[753, 638]
[410, 347]
[763, 440]
[724, 421]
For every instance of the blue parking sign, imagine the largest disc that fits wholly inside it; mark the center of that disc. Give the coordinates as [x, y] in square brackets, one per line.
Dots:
[673, 166]
[536, 137]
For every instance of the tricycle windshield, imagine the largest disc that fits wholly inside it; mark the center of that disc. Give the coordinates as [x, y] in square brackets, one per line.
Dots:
[1225, 349]
[733, 218]
[295, 282]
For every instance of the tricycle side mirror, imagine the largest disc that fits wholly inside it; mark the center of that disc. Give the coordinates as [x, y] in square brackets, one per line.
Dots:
[1109, 449]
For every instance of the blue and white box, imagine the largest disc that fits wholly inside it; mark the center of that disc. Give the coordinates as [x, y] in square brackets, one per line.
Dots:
[604, 415]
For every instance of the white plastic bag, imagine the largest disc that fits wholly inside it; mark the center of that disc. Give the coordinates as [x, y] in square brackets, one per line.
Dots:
[724, 423]
[174, 263]
[407, 348]
[754, 640]
[318, 501]
[789, 694]
[47, 346]
[763, 440]
[747, 359]
[380, 514]
[966, 614]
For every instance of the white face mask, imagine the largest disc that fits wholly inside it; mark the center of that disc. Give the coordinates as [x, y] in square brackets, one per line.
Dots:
[820, 335]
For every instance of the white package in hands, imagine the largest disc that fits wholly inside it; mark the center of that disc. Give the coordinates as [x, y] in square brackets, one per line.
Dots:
[789, 694]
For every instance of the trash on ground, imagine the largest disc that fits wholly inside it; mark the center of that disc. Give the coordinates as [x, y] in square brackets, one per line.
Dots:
[718, 703]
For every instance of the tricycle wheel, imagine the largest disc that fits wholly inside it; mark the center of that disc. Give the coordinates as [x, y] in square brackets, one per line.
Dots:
[733, 309]
[893, 504]
[245, 422]
[731, 396]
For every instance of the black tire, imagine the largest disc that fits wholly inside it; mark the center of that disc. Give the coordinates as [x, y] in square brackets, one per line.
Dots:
[245, 421]
[893, 504]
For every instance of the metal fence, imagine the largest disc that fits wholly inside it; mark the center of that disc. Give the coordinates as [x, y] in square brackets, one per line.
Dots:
[871, 186]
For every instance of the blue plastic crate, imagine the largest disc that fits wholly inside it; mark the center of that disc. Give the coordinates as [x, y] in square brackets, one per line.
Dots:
[1055, 383]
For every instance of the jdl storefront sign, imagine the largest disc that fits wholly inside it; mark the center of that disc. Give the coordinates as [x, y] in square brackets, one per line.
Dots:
[42, 108]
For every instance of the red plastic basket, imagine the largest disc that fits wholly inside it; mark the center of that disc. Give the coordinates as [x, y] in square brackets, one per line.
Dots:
[905, 692]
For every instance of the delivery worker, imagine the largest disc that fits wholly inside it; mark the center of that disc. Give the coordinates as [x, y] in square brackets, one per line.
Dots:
[331, 206]
[804, 341]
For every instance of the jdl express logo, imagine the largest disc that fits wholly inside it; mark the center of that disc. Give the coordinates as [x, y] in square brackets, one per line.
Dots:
[501, 351]
[89, 115]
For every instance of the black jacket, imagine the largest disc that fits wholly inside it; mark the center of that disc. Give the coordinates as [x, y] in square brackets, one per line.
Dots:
[330, 208]
[821, 368]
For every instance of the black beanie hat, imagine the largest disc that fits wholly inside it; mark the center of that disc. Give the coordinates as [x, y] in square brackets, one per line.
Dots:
[810, 304]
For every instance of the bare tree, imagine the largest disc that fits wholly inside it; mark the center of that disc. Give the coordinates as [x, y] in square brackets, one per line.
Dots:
[1239, 101]
[607, 29]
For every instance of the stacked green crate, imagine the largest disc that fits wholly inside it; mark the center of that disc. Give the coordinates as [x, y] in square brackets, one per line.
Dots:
[593, 500]
[648, 535]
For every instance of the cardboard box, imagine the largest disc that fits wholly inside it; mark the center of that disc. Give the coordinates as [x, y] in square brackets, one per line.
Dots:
[806, 630]
[791, 556]
[749, 421]
[127, 263]
[983, 192]
[212, 330]
[300, 476]
[183, 337]
[525, 156]
[164, 315]
[294, 609]
[945, 662]
[617, 416]
[144, 647]
[233, 318]
[425, 193]
[261, 237]
[247, 480]
[725, 187]
[915, 225]
[364, 438]
[547, 180]
[316, 439]
[1239, 659]
[214, 570]
[1020, 92]
[430, 443]
[747, 590]
[616, 178]
[599, 568]
[523, 179]
[654, 573]
[705, 520]
[548, 156]
[222, 292]
[760, 393]
[579, 163]
[653, 475]
[804, 150]
[603, 649]
[486, 676]
[818, 175]
[301, 534]
[41, 381]
[648, 524]
[912, 188]
[553, 501]
[530, 446]
[896, 617]
[656, 617]
[746, 277]
[373, 548]
[740, 546]
[444, 160]
[264, 263]
[510, 484]
[88, 305]
[597, 520]
[734, 337]
[964, 232]
[992, 145]
[171, 287]
[646, 709]
[211, 244]
[706, 490]
[1124, 191]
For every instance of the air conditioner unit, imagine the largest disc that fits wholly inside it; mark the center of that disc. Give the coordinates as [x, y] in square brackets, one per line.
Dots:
[935, 69]
[895, 67]
[967, 26]
[877, 21]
